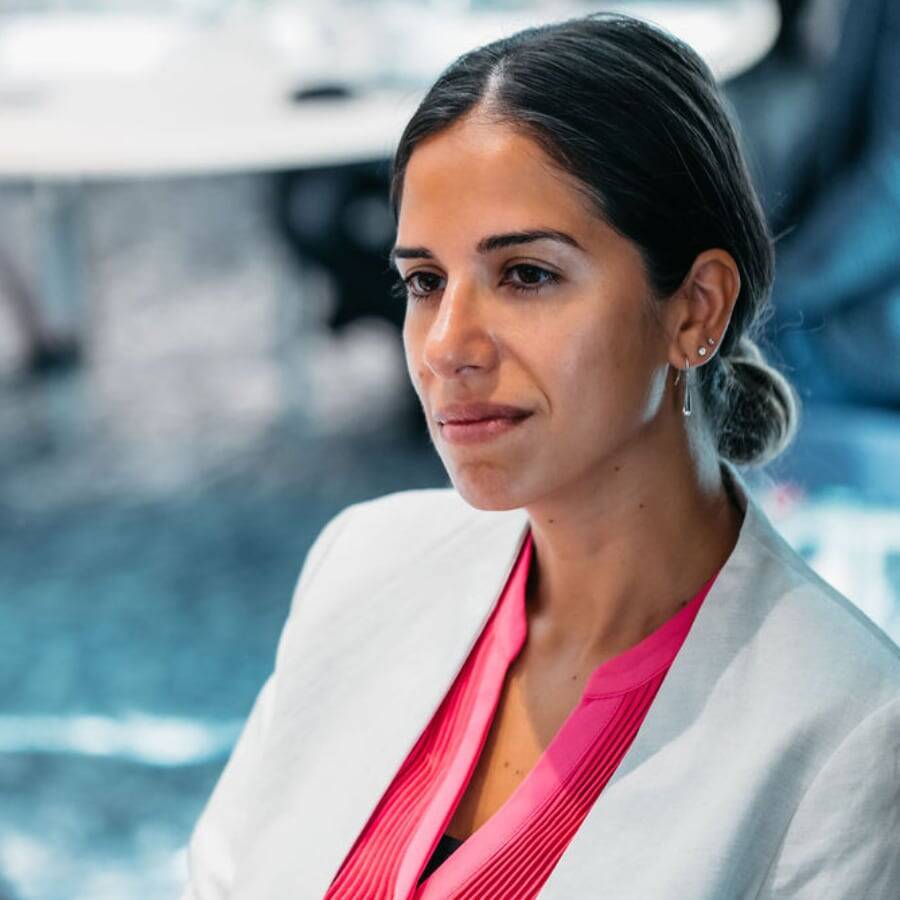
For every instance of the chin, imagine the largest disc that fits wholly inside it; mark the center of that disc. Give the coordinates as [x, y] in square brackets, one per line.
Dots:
[486, 490]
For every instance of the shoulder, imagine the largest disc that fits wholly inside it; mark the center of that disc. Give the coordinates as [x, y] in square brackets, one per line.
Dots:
[441, 506]
[392, 524]
[816, 640]
[365, 541]
[796, 648]
[425, 509]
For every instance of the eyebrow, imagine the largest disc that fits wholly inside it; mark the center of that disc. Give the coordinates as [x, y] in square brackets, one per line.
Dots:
[493, 242]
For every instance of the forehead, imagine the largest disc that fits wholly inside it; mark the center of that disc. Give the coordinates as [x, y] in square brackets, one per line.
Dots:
[476, 173]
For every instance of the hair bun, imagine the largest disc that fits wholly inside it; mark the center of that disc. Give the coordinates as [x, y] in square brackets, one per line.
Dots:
[763, 408]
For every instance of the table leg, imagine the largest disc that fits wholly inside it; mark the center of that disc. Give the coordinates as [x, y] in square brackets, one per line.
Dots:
[59, 312]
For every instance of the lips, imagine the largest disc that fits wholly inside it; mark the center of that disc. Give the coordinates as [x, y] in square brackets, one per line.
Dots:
[458, 413]
[482, 430]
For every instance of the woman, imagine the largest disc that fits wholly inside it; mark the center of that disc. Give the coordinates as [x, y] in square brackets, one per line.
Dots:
[591, 667]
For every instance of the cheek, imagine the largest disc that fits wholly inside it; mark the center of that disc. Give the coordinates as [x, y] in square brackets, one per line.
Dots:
[596, 376]
[412, 351]
[586, 366]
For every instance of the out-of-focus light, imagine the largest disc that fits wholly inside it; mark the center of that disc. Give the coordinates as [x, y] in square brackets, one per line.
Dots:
[73, 45]
[146, 739]
[848, 543]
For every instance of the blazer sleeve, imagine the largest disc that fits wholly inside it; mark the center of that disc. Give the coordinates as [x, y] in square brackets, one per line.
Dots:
[843, 841]
[218, 834]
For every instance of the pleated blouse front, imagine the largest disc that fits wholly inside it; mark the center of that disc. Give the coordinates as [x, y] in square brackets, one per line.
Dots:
[402, 851]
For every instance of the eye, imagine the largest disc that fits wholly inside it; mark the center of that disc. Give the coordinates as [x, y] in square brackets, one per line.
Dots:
[406, 288]
[530, 287]
[530, 279]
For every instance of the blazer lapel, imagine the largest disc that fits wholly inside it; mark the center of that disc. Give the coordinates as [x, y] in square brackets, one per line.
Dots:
[366, 667]
[362, 679]
[659, 783]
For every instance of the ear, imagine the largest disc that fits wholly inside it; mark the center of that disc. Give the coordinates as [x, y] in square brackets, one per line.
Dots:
[701, 308]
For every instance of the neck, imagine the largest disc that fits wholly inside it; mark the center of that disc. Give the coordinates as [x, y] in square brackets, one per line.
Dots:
[611, 566]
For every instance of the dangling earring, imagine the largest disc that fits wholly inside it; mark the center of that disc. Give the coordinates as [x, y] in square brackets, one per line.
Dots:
[686, 403]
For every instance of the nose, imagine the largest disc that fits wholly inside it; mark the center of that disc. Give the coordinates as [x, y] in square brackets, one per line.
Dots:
[459, 338]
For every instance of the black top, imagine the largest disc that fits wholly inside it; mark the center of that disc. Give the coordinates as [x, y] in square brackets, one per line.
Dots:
[445, 847]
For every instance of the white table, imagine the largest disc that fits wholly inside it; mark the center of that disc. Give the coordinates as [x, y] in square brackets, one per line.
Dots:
[87, 98]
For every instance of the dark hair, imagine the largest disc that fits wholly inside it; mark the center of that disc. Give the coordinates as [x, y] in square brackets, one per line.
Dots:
[637, 118]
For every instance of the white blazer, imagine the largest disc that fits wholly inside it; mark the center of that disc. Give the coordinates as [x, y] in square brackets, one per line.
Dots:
[768, 765]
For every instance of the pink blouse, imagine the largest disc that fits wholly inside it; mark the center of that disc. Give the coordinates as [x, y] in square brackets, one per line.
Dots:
[513, 853]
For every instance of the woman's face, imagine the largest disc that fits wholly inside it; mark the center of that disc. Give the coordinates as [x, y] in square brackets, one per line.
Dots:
[557, 327]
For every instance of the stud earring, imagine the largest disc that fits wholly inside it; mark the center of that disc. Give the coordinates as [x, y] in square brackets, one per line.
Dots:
[702, 351]
[686, 408]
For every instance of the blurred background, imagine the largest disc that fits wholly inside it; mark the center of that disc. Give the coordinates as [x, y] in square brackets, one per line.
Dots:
[200, 360]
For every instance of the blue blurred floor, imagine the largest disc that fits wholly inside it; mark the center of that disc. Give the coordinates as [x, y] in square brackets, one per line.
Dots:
[156, 506]
[137, 626]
